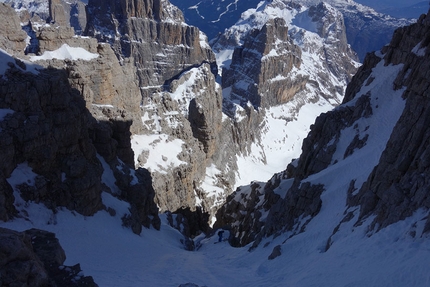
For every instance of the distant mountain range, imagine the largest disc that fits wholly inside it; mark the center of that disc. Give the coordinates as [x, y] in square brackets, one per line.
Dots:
[412, 11]
[367, 30]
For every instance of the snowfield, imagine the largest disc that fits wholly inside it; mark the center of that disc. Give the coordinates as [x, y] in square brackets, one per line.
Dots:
[66, 52]
[398, 255]
[114, 256]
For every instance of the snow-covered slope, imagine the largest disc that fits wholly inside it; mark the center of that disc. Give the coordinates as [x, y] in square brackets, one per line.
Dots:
[362, 22]
[317, 83]
[114, 256]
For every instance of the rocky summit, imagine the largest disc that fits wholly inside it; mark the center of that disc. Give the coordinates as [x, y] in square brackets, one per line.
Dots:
[127, 139]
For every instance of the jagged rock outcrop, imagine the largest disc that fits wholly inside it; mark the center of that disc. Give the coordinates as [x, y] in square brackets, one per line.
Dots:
[153, 33]
[64, 13]
[35, 258]
[60, 127]
[269, 69]
[41, 133]
[57, 13]
[248, 205]
[266, 54]
[188, 113]
[167, 54]
[12, 37]
[398, 186]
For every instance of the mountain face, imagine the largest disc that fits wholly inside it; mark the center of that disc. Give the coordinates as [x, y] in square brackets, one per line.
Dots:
[134, 119]
[267, 56]
[379, 132]
[57, 128]
[150, 32]
[366, 29]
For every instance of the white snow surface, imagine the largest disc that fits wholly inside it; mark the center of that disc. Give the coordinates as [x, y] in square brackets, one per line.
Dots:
[66, 52]
[162, 151]
[286, 125]
[114, 256]
[6, 58]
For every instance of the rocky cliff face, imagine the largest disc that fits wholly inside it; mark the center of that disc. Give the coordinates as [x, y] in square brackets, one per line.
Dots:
[392, 87]
[284, 56]
[398, 186]
[153, 33]
[12, 37]
[35, 258]
[180, 100]
[59, 130]
[266, 54]
[134, 89]
[272, 64]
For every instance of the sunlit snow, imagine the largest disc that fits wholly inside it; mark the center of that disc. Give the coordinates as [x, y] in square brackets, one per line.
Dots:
[66, 52]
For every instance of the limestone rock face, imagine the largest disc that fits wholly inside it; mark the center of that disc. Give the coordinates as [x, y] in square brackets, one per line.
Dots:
[153, 33]
[35, 258]
[248, 205]
[167, 55]
[57, 13]
[64, 127]
[188, 113]
[268, 69]
[42, 134]
[254, 64]
[12, 37]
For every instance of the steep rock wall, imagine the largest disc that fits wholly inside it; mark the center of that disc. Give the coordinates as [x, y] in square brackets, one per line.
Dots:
[395, 189]
[399, 185]
[153, 33]
[60, 124]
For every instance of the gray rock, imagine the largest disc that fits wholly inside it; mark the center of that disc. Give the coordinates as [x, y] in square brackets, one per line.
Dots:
[12, 37]
[34, 258]
[398, 185]
[57, 14]
[277, 251]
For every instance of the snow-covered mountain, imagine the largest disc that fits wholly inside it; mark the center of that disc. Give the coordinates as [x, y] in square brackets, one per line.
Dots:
[98, 134]
[281, 67]
[367, 30]
[327, 246]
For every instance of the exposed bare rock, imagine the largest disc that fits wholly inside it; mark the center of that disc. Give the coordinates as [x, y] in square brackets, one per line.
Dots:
[153, 33]
[7, 209]
[189, 113]
[54, 132]
[277, 251]
[265, 54]
[398, 186]
[45, 137]
[248, 205]
[395, 189]
[19, 264]
[57, 13]
[35, 258]
[12, 37]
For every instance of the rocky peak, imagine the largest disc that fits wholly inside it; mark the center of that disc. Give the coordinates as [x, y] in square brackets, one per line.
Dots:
[57, 14]
[265, 54]
[388, 186]
[331, 27]
[12, 37]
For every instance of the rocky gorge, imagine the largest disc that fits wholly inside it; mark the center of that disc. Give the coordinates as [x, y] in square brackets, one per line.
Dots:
[149, 118]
